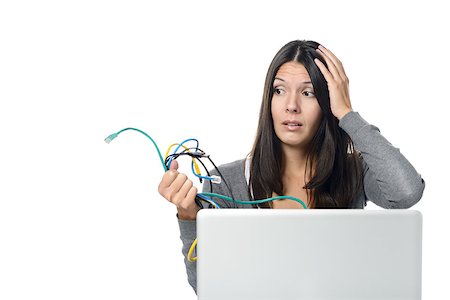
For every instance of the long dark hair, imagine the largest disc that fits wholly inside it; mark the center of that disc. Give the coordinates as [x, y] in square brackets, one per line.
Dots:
[332, 162]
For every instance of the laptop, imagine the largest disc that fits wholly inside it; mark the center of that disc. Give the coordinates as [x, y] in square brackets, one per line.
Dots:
[274, 254]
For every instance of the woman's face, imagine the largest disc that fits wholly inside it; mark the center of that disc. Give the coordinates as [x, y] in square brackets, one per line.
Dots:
[295, 110]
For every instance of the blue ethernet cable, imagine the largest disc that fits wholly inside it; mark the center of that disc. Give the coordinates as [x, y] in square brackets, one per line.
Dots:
[178, 147]
[204, 196]
[213, 178]
[208, 199]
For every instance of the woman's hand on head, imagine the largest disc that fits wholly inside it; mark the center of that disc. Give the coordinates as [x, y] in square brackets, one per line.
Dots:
[179, 190]
[337, 82]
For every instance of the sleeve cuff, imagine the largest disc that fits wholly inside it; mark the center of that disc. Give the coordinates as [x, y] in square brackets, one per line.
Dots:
[352, 122]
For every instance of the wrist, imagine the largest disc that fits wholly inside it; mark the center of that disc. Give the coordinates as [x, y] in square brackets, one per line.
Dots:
[342, 114]
[184, 214]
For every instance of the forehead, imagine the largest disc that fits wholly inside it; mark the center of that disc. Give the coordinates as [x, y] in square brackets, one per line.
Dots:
[293, 70]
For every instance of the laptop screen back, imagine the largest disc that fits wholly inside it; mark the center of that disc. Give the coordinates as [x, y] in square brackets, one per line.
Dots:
[309, 254]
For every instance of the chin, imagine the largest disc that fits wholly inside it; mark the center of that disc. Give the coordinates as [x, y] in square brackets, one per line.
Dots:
[294, 144]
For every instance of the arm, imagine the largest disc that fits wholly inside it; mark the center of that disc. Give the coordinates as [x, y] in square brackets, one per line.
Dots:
[390, 181]
[178, 189]
[188, 233]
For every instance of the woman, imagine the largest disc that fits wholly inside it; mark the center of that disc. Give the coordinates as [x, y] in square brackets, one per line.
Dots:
[310, 144]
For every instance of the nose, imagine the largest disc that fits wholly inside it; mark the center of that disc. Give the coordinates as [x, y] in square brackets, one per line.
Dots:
[292, 105]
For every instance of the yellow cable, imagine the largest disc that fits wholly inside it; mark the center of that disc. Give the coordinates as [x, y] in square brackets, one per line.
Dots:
[168, 150]
[196, 167]
[194, 244]
[191, 250]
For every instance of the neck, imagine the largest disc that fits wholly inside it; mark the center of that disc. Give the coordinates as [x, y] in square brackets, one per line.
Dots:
[294, 162]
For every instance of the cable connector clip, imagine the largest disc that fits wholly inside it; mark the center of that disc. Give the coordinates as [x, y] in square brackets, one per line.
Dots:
[110, 138]
[216, 179]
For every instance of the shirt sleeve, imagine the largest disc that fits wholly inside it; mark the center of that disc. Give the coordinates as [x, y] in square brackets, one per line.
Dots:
[188, 231]
[389, 179]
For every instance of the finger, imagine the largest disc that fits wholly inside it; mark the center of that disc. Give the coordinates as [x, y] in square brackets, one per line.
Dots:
[190, 197]
[174, 165]
[336, 61]
[324, 70]
[189, 200]
[182, 193]
[330, 54]
[176, 185]
[168, 178]
[330, 64]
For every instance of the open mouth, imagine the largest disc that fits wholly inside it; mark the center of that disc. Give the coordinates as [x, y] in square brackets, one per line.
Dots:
[292, 123]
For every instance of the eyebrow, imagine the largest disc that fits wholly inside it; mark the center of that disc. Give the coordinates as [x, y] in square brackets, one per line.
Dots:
[306, 82]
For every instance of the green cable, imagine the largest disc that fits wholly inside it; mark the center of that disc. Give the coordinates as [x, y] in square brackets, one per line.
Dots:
[255, 201]
[114, 135]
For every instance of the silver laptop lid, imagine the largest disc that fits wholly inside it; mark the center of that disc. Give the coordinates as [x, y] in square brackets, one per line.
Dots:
[309, 254]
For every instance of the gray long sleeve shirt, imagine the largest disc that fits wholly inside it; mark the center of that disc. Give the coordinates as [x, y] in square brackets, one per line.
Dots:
[389, 180]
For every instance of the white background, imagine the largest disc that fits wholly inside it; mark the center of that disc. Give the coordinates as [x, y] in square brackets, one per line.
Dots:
[80, 219]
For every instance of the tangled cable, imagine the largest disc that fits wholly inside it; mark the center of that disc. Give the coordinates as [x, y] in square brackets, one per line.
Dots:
[197, 155]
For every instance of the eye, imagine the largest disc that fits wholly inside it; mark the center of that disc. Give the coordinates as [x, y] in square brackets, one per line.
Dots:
[308, 94]
[278, 91]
